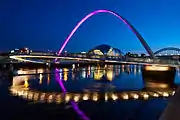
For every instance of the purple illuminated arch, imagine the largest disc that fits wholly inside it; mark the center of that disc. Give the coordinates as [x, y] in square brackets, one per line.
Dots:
[141, 39]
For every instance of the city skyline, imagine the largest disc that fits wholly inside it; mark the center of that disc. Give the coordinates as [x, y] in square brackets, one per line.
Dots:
[87, 59]
[25, 25]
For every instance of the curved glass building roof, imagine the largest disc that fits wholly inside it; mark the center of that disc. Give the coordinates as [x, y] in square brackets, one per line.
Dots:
[105, 50]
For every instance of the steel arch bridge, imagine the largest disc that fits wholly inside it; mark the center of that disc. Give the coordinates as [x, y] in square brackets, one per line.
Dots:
[130, 26]
[137, 34]
[168, 51]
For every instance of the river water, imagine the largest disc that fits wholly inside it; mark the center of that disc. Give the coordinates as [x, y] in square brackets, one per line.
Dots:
[110, 92]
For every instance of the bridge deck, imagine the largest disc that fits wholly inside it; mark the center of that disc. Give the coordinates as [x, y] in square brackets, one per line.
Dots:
[43, 60]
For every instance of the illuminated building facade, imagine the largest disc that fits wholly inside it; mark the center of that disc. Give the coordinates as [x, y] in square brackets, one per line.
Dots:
[24, 50]
[27, 51]
[105, 51]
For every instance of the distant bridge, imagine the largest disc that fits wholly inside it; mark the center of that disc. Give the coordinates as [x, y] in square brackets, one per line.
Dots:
[169, 51]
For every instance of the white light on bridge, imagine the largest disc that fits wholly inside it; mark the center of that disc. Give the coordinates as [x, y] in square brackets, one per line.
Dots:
[73, 66]
[76, 98]
[67, 98]
[155, 95]
[106, 97]
[83, 52]
[58, 99]
[95, 97]
[125, 96]
[173, 92]
[114, 97]
[50, 99]
[86, 97]
[146, 96]
[135, 96]
[165, 94]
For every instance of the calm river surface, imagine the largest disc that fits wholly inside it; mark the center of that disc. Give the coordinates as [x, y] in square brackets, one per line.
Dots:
[110, 92]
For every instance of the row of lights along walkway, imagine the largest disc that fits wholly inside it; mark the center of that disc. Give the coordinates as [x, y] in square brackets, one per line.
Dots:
[58, 98]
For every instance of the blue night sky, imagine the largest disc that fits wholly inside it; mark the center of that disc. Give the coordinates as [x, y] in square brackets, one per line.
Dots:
[44, 24]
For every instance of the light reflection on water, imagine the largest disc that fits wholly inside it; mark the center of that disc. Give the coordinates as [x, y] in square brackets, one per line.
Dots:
[95, 83]
[90, 79]
[121, 77]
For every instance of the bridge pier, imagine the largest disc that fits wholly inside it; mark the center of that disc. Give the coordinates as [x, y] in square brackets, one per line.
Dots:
[158, 77]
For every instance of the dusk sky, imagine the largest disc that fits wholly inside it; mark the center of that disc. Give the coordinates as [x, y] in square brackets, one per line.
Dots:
[45, 24]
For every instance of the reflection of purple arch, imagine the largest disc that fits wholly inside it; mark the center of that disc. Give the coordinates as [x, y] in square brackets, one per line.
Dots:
[143, 42]
[74, 105]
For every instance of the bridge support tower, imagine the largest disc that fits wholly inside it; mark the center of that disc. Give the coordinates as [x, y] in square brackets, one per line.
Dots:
[158, 77]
